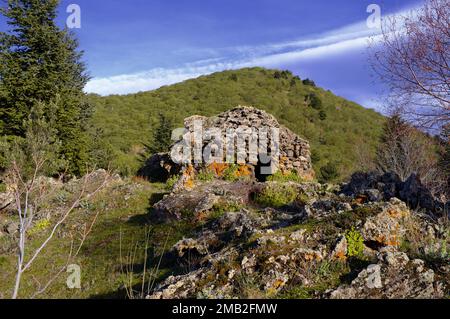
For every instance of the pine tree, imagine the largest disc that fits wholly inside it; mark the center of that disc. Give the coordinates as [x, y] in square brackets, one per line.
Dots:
[162, 136]
[40, 63]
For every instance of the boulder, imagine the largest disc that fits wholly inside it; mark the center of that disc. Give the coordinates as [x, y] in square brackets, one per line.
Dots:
[395, 276]
[159, 168]
[377, 187]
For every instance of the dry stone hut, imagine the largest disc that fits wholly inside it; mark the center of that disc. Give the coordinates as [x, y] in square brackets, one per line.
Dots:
[294, 152]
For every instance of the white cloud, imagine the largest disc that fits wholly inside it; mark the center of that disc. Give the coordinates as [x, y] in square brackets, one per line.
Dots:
[348, 38]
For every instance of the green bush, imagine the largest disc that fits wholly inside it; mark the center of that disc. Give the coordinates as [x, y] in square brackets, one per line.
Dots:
[205, 176]
[329, 172]
[309, 82]
[315, 101]
[289, 177]
[322, 115]
[355, 243]
[277, 195]
[171, 182]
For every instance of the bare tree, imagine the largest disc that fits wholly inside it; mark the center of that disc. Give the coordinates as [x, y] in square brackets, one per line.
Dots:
[405, 150]
[28, 160]
[413, 60]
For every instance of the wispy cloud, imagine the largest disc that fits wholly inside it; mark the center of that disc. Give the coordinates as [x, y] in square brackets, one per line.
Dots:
[347, 38]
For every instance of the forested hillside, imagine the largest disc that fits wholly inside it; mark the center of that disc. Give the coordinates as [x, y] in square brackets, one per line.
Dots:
[340, 131]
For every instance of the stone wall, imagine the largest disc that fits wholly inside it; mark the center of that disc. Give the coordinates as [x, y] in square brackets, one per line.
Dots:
[295, 152]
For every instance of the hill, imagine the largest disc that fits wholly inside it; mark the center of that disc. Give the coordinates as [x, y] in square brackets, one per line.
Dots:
[337, 129]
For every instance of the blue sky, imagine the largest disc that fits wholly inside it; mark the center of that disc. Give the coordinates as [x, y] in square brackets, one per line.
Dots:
[139, 45]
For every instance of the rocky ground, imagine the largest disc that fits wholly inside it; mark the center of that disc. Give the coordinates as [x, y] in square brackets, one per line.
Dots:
[374, 237]
[307, 240]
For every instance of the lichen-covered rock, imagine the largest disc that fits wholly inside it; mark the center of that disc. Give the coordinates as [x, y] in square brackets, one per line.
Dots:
[388, 227]
[395, 276]
[201, 198]
[303, 249]
[376, 187]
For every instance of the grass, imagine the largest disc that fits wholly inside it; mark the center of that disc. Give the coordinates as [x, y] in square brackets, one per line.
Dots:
[277, 195]
[285, 177]
[124, 214]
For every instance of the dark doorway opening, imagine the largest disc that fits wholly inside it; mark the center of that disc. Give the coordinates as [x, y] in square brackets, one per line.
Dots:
[258, 172]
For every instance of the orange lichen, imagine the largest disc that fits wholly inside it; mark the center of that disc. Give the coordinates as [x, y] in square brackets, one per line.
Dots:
[189, 176]
[278, 284]
[361, 199]
[201, 216]
[341, 255]
[395, 213]
[391, 241]
[218, 168]
[243, 171]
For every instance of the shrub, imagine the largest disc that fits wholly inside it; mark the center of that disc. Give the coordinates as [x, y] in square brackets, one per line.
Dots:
[279, 176]
[355, 243]
[309, 82]
[315, 157]
[329, 172]
[277, 195]
[314, 101]
[206, 175]
[322, 115]
[40, 226]
[237, 172]
[171, 182]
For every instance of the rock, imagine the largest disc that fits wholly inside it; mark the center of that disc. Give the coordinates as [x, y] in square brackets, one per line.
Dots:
[373, 195]
[416, 195]
[377, 187]
[373, 279]
[340, 251]
[6, 199]
[388, 227]
[206, 203]
[159, 168]
[248, 264]
[393, 277]
[190, 245]
[298, 235]
[11, 228]
[201, 198]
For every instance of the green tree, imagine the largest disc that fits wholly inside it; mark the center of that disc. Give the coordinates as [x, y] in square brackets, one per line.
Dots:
[329, 172]
[315, 101]
[40, 63]
[162, 136]
[309, 82]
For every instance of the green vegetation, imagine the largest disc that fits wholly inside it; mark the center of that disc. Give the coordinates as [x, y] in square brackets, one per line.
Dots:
[122, 124]
[171, 182]
[326, 275]
[285, 177]
[205, 175]
[162, 137]
[121, 228]
[277, 195]
[329, 172]
[355, 243]
[40, 64]
[224, 207]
